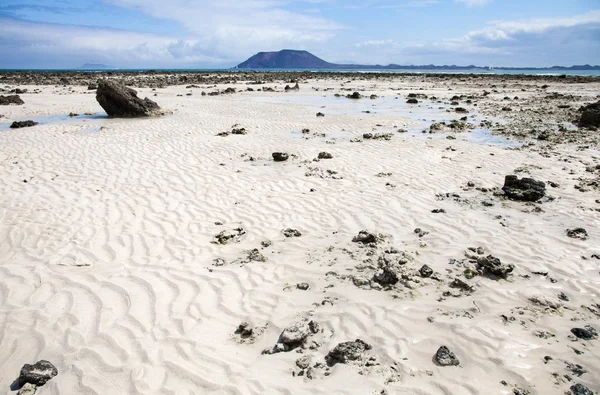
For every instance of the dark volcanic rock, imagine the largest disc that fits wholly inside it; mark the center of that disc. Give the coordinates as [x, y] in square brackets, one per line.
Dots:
[12, 99]
[280, 156]
[526, 189]
[289, 232]
[426, 271]
[386, 276]
[355, 95]
[445, 357]
[22, 124]
[587, 333]
[120, 101]
[347, 351]
[492, 265]
[577, 233]
[325, 155]
[412, 101]
[38, 374]
[580, 389]
[590, 115]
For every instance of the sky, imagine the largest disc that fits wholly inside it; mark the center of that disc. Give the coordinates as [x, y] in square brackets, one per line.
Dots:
[223, 33]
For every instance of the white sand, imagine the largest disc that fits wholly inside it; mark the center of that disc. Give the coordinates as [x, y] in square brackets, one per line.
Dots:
[106, 261]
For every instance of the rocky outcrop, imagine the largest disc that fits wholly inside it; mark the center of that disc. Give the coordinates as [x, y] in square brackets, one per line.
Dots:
[590, 115]
[120, 101]
[526, 189]
[11, 99]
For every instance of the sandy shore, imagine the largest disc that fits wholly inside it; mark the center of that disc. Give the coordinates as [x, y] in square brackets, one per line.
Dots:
[108, 266]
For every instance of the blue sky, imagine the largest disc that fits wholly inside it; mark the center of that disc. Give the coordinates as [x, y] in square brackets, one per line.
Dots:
[196, 33]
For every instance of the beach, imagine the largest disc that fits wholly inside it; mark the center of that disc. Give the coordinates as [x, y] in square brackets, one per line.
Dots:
[132, 250]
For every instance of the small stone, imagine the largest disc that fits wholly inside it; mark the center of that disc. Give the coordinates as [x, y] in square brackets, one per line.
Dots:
[521, 391]
[325, 155]
[426, 271]
[22, 124]
[445, 357]
[27, 389]
[303, 286]
[438, 211]
[320, 114]
[289, 232]
[493, 266]
[386, 276]
[295, 333]
[280, 156]
[577, 233]
[347, 351]
[244, 330]
[587, 333]
[304, 362]
[563, 296]
[580, 389]
[38, 374]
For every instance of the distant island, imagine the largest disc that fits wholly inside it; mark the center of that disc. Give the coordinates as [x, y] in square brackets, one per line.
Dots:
[294, 59]
[95, 66]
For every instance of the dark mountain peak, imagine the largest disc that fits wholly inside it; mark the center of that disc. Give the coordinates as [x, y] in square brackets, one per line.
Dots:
[284, 59]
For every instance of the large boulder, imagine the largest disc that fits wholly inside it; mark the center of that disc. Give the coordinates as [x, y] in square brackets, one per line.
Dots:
[11, 99]
[120, 101]
[590, 115]
[526, 189]
[347, 351]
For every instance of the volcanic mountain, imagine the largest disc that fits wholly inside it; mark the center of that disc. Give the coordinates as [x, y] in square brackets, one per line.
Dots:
[285, 59]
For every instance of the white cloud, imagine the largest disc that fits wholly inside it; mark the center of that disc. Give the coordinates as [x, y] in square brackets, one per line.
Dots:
[472, 3]
[532, 42]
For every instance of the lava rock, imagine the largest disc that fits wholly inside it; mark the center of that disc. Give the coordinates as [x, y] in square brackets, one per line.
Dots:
[365, 237]
[386, 276]
[280, 156]
[320, 114]
[412, 101]
[580, 389]
[525, 189]
[587, 333]
[22, 124]
[590, 115]
[493, 266]
[325, 155]
[355, 95]
[37, 374]
[303, 286]
[295, 334]
[445, 357]
[577, 233]
[289, 232]
[425, 271]
[11, 99]
[120, 101]
[347, 351]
